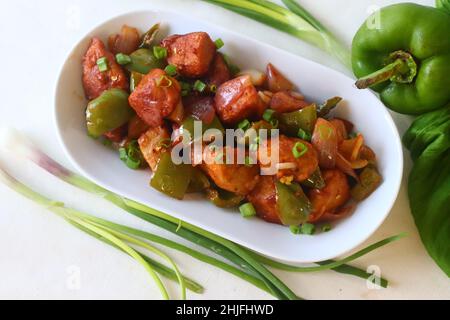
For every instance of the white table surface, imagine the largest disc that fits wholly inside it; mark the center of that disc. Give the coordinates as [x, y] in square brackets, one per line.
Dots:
[40, 253]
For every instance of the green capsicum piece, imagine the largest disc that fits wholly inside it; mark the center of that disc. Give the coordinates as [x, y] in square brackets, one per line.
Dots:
[199, 181]
[143, 61]
[305, 119]
[108, 112]
[325, 108]
[406, 57]
[293, 205]
[224, 199]
[188, 125]
[149, 37]
[135, 79]
[171, 179]
[315, 181]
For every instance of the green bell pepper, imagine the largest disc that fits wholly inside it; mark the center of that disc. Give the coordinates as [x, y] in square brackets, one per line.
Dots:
[171, 179]
[305, 119]
[108, 112]
[428, 140]
[406, 58]
[224, 199]
[293, 205]
[143, 61]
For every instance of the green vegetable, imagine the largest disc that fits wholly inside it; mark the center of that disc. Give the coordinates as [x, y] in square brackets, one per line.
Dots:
[188, 125]
[143, 61]
[194, 234]
[407, 57]
[102, 64]
[149, 37]
[443, 5]
[324, 109]
[294, 229]
[247, 210]
[293, 205]
[123, 59]
[131, 155]
[159, 52]
[302, 134]
[244, 125]
[171, 179]
[297, 22]
[171, 70]
[199, 86]
[326, 228]
[315, 181]
[268, 115]
[135, 79]
[369, 181]
[108, 112]
[219, 44]
[223, 199]
[105, 231]
[428, 140]
[305, 119]
[199, 181]
[308, 229]
[299, 150]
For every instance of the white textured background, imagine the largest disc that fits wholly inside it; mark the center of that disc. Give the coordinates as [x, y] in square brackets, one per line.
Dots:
[38, 251]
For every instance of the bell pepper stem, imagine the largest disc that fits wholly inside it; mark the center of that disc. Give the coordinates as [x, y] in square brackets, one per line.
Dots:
[401, 68]
[379, 76]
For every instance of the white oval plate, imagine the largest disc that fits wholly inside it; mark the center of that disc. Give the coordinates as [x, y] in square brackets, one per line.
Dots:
[317, 82]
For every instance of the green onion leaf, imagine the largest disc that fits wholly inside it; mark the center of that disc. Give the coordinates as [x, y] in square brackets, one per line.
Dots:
[247, 210]
[268, 115]
[164, 82]
[199, 86]
[159, 52]
[102, 64]
[171, 70]
[219, 43]
[302, 134]
[244, 125]
[308, 229]
[295, 229]
[123, 59]
[299, 150]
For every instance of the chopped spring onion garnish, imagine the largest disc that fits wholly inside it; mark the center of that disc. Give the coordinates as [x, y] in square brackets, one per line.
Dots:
[219, 43]
[123, 59]
[102, 64]
[268, 115]
[326, 228]
[164, 82]
[295, 229]
[247, 210]
[131, 155]
[159, 52]
[244, 125]
[302, 134]
[308, 229]
[171, 70]
[199, 86]
[299, 150]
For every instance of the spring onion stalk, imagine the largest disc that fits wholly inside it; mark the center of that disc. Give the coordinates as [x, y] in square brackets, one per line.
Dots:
[23, 147]
[60, 210]
[159, 267]
[181, 248]
[296, 21]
